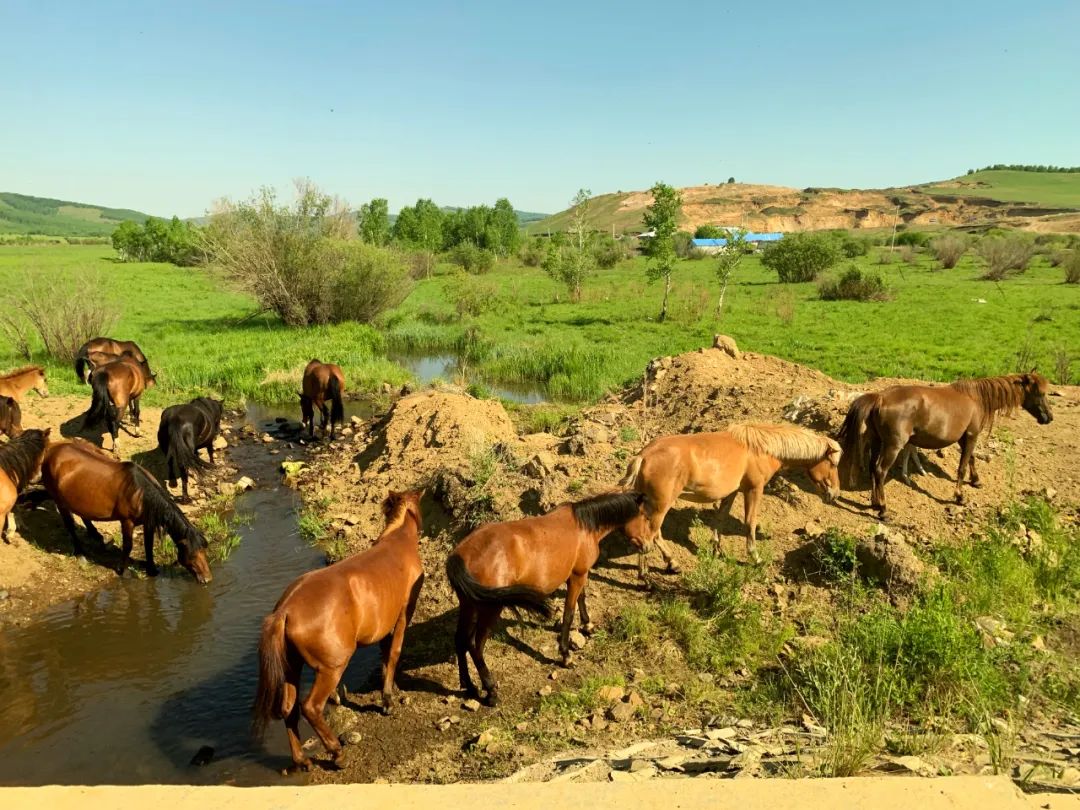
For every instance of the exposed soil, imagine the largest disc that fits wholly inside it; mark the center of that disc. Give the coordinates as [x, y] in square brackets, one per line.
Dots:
[476, 468]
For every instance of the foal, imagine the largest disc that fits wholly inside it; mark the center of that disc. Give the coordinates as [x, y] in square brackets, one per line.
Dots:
[16, 383]
[325, 615]
[519, 563]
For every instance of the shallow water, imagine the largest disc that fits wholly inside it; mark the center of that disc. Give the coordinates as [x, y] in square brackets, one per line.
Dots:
[125, 684]
[428, 367]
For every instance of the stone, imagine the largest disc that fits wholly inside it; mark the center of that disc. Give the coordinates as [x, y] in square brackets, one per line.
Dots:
[267, 438]
[727, 345]
[220, 443]
[673, 762]
[620, 712]
[4, 595]
[487, 740]
[471, 705]
[1069, 776]
[610, 694]
[888, 559]
[908, 764]
[707, 765]
[993, 632]
[635, 700]
[351, 738]
[554, 675]
[243, 485]
[592, 432]
[226, 488]
[672, 690]
[577, 640]
[541, 465]
[544, 691]
[356, 421]
[727, 733]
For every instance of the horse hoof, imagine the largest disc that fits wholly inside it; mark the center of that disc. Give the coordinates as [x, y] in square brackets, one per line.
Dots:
[588, 629]
[491, 701]
[977, 484]
[152, 571]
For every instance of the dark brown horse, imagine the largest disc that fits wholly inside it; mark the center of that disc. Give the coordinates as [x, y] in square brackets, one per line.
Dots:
[184, 430]
[323, 382]
[100, 350]
[117, 386]
[84, 480]
[10, 417]
[519, 563]
[16, 383]
[325, 615]
[20, 461]
[879, 425]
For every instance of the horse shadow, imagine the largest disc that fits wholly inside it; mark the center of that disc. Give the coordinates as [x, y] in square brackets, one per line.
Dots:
[42, 527]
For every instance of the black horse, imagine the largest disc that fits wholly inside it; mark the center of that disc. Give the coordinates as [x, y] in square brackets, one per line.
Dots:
[183, 430]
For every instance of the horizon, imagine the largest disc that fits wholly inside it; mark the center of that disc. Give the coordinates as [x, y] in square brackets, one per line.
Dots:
[168, 110]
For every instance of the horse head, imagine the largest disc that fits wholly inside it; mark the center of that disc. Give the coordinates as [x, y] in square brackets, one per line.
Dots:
[399, 504]
[40, 385]
[191, 553]
[638, 529]
[1035, 388]
[826, 473]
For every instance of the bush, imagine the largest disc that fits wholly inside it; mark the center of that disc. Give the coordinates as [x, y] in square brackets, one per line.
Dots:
[472, 259]
[58, 311]
[421, 263]
[1072, 268]
[608, 251]
[158, 241]
[532, 253]
[362, 281]
[854, 285]
[1005, 254]
[710, 232]
[697, 254]
[801, 256]
[473, 296]
[683, 243]
[949, 249]
[851, 246]
[908, 254]
[913, 238]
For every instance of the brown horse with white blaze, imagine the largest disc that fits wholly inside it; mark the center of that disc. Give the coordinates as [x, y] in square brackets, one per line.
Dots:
[519, 563]
[16, 383]
[323, 382]
[325, 615]
[20, 462]
[880, 425]
[714, 467]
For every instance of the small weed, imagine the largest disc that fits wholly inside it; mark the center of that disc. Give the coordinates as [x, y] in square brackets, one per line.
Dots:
[835, 556]
[220, 533]
[312, 525]
[575, 486]
[628, 434]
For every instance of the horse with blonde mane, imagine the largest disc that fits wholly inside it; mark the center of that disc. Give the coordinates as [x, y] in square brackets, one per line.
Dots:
[712, 467]
[880, 425]
[16, 383]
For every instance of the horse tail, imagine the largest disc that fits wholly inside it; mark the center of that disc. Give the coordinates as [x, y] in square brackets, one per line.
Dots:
[337, 407]
[82, 366]
[181, 451]
[633, 470]
[270, 694]
[512, 596]
[102, 408]
[852, 437]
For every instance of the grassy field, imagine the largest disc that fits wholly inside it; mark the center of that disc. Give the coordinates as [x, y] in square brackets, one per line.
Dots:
[1045, 189]
[202, 338]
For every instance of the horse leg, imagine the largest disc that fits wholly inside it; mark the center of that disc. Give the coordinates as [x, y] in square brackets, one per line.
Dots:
[92, 531]
[751, 501]
[885, 460]
[291, 707]
[184, 484]
[326, 681]
[466, 629]
[486, 617]
[723, 511]
[587, 627]
[325, 424]
[973, 477]
[148, 548]
[392, 661]
[127, 530]
[69, 524]
[573, 589]
[967, 451]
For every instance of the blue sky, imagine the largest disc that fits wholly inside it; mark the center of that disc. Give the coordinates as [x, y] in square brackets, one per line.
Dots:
[164, 107]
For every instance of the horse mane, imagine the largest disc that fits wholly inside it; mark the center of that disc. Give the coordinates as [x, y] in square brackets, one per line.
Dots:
[993, 393]
[22, 370]
[606, 510]
[787, 443]
[19, 458]
[161, 512]
[394, 509]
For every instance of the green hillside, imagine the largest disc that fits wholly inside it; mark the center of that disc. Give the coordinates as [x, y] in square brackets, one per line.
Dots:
[603, 214]
[23, 214]
[1042, 189]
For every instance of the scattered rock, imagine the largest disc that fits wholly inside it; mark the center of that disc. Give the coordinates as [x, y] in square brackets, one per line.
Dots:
[4, 595]
[635, 700]
[267, 438]
[727, 345]
[544, 691]
[907, 765]
[487, 741]
[610, 694]
[993, 632]
[672, 763]
[888, 559]
[243, 485]
[620, 712]
[541, 465]
[220, 443]
[351, 738]
[471, 705]
[577, 640]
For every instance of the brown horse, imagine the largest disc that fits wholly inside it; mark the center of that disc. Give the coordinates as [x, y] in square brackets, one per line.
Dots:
[117, 386]
[325, 615]
[932, 417]
[322, 382]
[20, 461]
[711, 467]
[84, 480]
[16, 383]
[10, 417]
[519, 563]
[100, 350]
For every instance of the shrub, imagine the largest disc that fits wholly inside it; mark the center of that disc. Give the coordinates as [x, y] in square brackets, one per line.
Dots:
[801, 256]
[473, 296]
[949, 249]
[697, 254]
[472, 259]
[570, 261]
[683, 243]
[421, 263]
[913, 238]
[908, 254]
[158, 241]
[58, 311]
[853, 285]
[362, 281]
[532, 253]
[1072, 268]
[709, 232]
[1005, 254]
[851, 246]
[608, 251]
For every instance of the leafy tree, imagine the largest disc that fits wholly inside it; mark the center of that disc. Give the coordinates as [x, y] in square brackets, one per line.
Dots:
[504, 222]
[127, 241]
[801, 256]
[728, 261]
[156, 240]
[661, 217]
[731, 180]
[570, 258]
[420, 226]
[709, 232]
[373, 222]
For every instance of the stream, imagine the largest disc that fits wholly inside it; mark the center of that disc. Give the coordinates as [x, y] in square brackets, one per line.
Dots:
[123, 685]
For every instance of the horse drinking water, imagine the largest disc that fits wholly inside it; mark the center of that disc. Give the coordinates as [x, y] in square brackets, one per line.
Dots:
[20, 461]
[86, 481]
[183, 431]
[323, 382]
[711, 467]
[886, 422]
[519, 563]
[325, 615]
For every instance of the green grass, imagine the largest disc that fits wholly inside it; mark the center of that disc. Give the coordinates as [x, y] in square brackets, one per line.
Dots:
[24, 214]
[1043, 189]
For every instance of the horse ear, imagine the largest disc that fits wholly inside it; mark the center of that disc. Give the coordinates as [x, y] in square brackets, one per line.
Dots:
[639, 498]
[390, 504]
[46, 432]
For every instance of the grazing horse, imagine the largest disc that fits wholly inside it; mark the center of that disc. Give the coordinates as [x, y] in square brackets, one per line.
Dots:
[932, 417]
[16, 383]
[116, 387]
[100, 350]
[10, 417]
[519, 563]
[183, 431]
[85, 480]
[322, 382]
[324, 615]
[20, 461]
[711, 467]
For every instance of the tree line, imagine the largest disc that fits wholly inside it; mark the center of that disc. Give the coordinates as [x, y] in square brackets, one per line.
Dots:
[1025, 167]
[426, 226]
[158, 240]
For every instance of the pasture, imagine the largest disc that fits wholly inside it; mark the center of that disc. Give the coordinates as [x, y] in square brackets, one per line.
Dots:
[1046, 189]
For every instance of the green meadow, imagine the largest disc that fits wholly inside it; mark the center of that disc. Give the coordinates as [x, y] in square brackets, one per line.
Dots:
[1046, 189]
[515, 325]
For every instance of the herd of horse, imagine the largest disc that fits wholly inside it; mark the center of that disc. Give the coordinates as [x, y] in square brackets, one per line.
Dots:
[325, 615]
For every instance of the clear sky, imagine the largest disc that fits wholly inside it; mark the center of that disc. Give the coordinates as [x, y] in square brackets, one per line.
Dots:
[164, 107]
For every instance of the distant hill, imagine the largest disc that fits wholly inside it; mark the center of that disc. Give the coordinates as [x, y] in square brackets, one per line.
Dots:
[24, 214]
[1039, 201]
